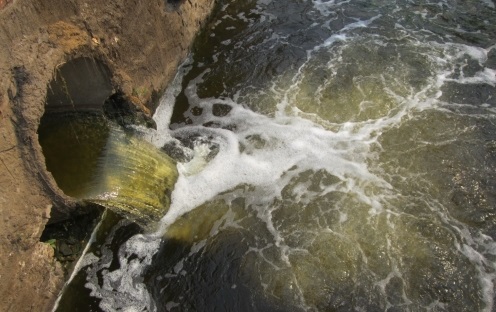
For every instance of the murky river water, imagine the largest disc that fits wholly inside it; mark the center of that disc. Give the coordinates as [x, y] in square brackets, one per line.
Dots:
[343, 159]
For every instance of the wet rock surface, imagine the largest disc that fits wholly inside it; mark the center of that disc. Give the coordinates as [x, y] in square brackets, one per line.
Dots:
[68, 238]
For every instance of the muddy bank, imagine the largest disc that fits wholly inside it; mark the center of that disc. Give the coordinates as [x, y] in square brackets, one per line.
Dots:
[139, 42]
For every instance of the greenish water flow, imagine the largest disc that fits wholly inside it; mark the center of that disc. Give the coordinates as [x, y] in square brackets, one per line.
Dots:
[338, 156]
[95, 160]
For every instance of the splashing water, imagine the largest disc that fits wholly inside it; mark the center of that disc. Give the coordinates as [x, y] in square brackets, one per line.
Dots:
[340, 156]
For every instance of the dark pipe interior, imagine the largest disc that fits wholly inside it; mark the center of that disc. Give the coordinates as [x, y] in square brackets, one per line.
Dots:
[73, 131]
[82, 84]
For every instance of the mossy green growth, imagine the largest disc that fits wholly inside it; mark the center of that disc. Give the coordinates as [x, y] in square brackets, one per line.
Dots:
[51, 242]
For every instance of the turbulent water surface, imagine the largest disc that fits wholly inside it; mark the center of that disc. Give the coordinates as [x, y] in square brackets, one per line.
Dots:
[335, 156]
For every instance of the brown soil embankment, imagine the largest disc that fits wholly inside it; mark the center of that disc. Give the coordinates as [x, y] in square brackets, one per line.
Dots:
[141, 43]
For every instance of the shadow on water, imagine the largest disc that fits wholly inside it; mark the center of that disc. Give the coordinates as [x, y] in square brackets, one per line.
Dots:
[214, 274]
[199, 267]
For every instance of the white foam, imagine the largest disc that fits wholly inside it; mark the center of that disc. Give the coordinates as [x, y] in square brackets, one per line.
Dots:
[486, 280]
[341, 35]
[486, 76]
[489, 3]
[326, 7]
[201, 152]
[293, 141]
[122, 289]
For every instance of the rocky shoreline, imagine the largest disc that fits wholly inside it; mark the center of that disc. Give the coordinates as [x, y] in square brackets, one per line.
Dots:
[140, 42]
